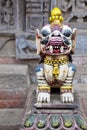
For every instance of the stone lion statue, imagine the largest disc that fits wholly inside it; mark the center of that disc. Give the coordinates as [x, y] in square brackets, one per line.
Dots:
[55, 44]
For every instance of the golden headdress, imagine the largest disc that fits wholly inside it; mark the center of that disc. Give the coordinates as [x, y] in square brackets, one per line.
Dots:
[56, 16]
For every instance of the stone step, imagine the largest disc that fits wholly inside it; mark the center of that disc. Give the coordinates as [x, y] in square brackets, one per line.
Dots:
[14, 76]
[14, 82]
[10, 119]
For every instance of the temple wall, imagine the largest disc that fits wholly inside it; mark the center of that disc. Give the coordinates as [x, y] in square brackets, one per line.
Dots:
[19, 20]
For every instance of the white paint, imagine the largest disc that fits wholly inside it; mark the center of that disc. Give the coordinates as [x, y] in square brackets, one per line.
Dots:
[67, 97]
[70, 72]
[63, 72]
[48, 72]
[43, 96]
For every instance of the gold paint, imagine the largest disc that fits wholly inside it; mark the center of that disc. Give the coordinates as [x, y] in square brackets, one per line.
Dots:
[66, 87]
[56, 16]
[60, 61]
[44, 87]
[55, 70]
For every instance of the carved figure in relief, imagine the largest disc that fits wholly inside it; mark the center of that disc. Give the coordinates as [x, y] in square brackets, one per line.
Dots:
[66, 7]
[66, 4]
[7, 12]
[79, 9]
[55, 45]
[76, 9]
[24, 46]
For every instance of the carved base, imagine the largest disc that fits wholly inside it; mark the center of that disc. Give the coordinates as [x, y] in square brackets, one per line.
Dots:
[53, 116]
[56, 106]
[54, 122]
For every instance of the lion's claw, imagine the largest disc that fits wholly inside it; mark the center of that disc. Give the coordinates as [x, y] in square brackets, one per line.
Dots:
[67, 98]
[43, 97]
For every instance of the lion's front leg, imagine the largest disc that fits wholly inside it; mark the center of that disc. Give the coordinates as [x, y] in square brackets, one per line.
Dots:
[43, 89]
[67, 88]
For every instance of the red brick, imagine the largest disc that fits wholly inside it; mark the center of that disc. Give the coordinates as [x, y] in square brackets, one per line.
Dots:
[12, 103]
[12, 94]
[6, 60]
[12, 98]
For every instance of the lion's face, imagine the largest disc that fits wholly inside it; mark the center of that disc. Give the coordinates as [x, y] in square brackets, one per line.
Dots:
[56, 41]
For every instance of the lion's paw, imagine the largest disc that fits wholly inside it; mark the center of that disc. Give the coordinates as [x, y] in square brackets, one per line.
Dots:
[67, 98]
[43, 97]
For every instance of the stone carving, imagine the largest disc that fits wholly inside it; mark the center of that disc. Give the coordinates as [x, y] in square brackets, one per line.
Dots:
[2, 43]
[74, 10]
[25, 48]
[36, 14]
[66, 7]
[55, 44]
[7, 12]
[54, 122]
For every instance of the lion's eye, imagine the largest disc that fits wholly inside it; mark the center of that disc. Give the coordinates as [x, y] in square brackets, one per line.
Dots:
[45, 41]
[45, 33]
[67, 33]
[67, 42]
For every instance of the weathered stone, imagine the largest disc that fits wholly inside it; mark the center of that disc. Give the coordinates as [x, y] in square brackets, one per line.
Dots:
[75, 12]
[14, 83]
[25, 48]
[8, 15]
[12, 94]
[12, 103]
[16, 74]
[10, 119]
[82, 96]
[7, 46]
[12, 98]
[37, 13]
[81, 44]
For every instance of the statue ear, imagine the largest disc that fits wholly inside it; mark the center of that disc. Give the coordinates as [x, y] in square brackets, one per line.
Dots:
[38, 38]
[74, 40]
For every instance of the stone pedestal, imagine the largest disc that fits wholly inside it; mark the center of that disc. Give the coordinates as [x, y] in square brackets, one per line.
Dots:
[53, 116]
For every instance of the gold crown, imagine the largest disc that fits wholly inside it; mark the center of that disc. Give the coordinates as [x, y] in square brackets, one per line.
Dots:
[56, 15]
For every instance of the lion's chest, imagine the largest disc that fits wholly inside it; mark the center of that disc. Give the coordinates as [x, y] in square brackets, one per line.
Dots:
[52, 72]
[56, 69]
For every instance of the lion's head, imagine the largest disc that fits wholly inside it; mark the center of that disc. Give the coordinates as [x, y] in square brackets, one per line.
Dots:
[55, 38]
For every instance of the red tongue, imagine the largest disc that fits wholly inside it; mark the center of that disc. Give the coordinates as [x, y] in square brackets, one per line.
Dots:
[56, 51]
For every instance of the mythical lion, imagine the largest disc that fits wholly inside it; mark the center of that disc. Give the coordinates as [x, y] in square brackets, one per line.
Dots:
[55, 44]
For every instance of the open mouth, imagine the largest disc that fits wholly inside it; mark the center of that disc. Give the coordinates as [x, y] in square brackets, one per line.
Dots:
[56, 47]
